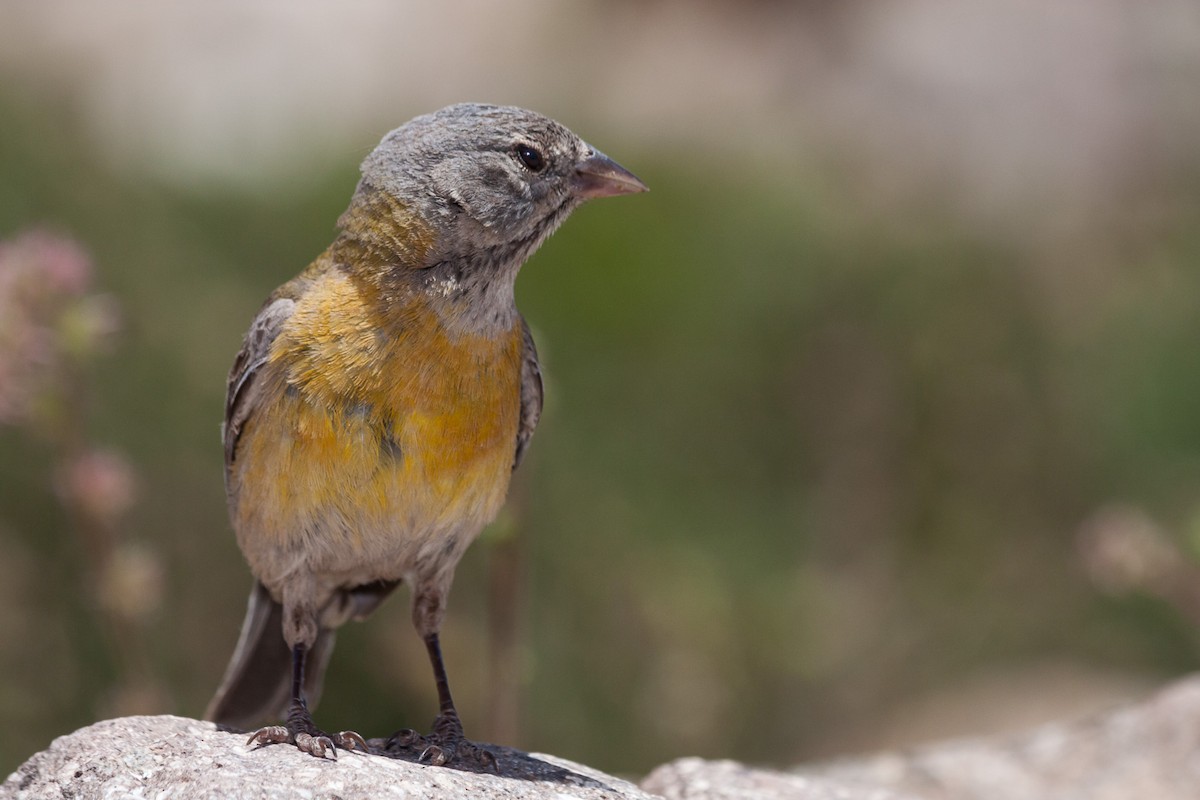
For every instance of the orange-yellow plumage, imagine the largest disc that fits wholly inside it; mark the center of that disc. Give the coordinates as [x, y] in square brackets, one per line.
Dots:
[381, 428]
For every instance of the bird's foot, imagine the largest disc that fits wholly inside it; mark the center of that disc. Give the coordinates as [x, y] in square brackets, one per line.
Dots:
[307, 737]
[446, 745]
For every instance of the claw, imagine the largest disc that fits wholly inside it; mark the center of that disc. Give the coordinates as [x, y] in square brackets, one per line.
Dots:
[348, 740]
[434, 756]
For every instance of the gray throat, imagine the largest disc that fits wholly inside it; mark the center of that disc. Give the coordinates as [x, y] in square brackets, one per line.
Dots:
[473, 295]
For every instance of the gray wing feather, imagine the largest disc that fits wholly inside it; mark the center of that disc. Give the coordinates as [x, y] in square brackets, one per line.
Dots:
[242, 391]
[531, 393]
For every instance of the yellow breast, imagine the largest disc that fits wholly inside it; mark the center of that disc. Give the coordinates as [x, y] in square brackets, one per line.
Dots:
[378, 428]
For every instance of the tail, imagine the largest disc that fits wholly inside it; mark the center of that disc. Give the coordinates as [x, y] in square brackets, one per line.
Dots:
[257, 683]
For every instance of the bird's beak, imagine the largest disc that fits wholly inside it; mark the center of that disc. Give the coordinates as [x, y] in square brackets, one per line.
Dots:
[600, 176]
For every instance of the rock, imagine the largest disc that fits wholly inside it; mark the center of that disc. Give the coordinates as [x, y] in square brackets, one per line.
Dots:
[1147, 750]
[1150, 749]
[183, 759]
[697, 779]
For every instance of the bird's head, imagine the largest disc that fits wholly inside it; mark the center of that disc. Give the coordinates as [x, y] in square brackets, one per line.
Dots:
[494, 180]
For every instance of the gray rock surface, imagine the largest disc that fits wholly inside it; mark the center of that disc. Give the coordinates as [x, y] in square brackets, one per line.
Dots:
[697, 779]
[171, 758]
[1148, 750]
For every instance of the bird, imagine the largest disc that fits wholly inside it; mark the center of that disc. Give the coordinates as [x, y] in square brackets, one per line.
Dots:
[381, 401]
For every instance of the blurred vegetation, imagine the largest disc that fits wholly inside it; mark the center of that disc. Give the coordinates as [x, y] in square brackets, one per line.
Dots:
[805, 456]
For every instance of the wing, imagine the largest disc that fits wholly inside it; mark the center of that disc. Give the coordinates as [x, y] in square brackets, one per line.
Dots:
[531, 393]
[242, 394]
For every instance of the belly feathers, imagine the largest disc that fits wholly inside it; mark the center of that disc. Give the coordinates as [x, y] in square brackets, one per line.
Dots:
[402, 438]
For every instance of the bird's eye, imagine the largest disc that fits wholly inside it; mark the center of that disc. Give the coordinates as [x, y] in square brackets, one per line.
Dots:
[530, 157]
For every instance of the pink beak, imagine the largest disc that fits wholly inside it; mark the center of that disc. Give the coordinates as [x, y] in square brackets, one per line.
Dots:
[600, 176]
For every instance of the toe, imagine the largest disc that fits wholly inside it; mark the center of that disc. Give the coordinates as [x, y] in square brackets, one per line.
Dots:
[272, 734]
[471, 753]
[306, 743]
[316, 745]
[434, 755]
[405, 737]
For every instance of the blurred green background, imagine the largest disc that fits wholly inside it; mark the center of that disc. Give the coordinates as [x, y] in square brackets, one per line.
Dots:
[877, 420]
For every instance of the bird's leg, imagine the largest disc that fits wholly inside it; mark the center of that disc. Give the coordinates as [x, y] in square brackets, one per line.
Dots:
[446, 743]
[447, 728]
[299, 728]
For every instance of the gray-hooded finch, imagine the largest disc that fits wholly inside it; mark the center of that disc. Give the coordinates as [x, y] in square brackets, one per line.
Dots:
[382, 399]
